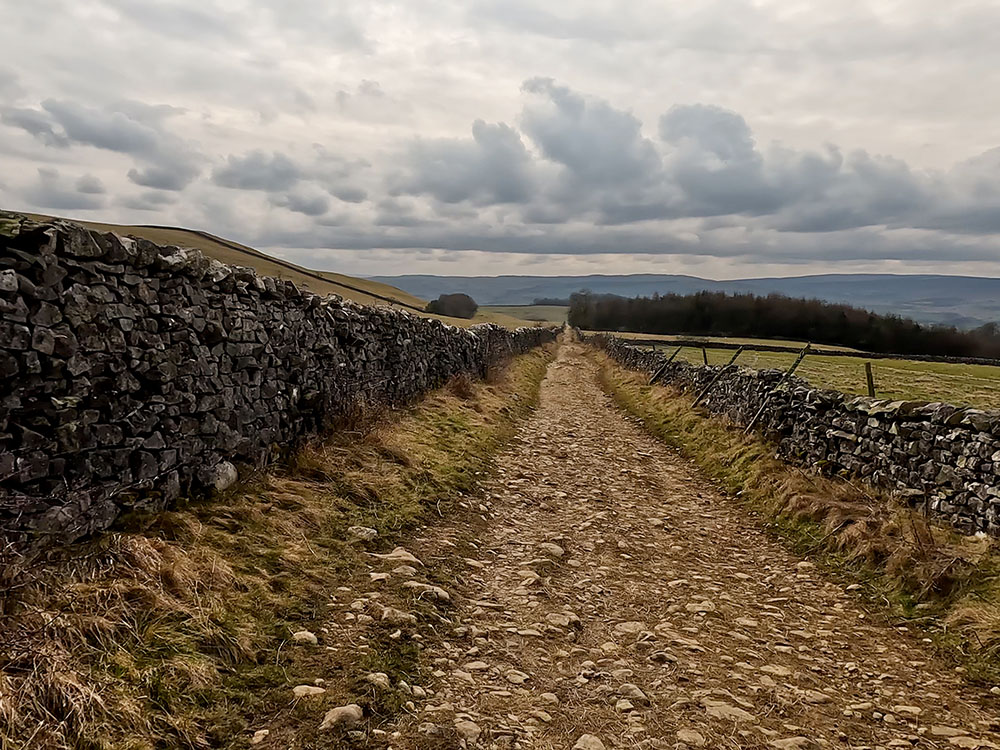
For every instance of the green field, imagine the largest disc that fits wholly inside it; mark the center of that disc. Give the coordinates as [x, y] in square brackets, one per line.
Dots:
[723, 339]
[965, 385]
[536, 313]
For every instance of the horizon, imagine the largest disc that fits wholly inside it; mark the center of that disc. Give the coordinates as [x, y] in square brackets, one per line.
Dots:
[699, 278]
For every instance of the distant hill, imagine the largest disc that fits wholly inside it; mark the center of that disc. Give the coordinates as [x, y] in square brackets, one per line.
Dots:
[963, 301]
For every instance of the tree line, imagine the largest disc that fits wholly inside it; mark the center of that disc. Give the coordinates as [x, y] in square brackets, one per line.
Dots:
[776, 316]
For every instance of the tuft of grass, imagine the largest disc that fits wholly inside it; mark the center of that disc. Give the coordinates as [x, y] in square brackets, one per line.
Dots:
[926, 574]
[174, 631]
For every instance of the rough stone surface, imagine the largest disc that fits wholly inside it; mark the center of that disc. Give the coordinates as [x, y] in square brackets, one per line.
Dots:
[946, 456]
[134, 374]
[343, 717]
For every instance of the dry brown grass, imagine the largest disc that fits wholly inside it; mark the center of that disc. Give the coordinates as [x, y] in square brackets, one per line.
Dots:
[172, 632]
[923, 572]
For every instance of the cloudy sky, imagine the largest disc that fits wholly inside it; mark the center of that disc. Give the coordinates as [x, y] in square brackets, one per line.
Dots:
[723, 138]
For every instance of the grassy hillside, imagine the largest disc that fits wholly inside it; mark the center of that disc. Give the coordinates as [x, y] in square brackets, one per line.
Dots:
[362, 291]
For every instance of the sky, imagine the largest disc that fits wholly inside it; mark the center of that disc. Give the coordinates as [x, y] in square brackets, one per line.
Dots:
[722, 138]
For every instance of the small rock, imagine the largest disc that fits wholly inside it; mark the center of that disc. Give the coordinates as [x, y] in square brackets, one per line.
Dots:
[304, 691]
[629, 628]
[397, 617]
[222, 476]
[363, 533]
[628, 690]
[343, 717]
[259, 736]
[588, 742]
[552, 550]
[972, 743]
[691, 737]
[468, 730]
[776, 669]
[425, 588]
[379, 680]
[550, 699]
[518, 678]
[305, 636]
[722, 710]
[400, 555]
[793, 743]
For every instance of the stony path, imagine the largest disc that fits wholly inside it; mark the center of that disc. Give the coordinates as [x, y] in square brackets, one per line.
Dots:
[616, 600]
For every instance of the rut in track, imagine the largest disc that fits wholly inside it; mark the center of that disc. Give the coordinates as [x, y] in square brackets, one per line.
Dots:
[616, 593]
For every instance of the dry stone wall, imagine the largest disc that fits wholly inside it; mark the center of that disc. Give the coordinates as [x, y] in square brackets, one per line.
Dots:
[133, 374]
[930, 452]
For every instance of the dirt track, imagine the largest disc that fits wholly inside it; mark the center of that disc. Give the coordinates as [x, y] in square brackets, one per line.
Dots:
[615, 593]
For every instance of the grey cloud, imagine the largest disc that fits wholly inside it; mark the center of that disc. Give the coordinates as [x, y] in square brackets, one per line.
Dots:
[151, 114]
[309, 204]
[10, 85]
[90, 184]
[150, 200]
[175, 176]
[36, 123]
[132, 128]
[762, 245]
[48, 191]
[493, 167]
[193, 21]
[397, 213]
[331, 25]
[369, 101]
[600, 145]
[349, 194]
[114, 131]
[257, 170]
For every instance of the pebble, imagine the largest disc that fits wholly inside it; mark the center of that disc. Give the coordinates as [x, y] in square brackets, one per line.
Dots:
[691, 737]
[343, 717]
[362, 533]
[305, 636]
[304, 691]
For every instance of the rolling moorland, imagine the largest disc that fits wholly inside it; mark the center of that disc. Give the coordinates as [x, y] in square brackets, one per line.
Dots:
[962, 301]
[548, 554]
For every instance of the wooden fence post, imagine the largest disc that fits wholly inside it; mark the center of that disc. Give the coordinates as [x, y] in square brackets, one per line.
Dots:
[791, 370]
[663, 367]
[715, 379]
[704, 355]
[870, 379]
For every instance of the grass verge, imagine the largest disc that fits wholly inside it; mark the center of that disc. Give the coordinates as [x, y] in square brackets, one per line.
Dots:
[175, 632]
[925, 574]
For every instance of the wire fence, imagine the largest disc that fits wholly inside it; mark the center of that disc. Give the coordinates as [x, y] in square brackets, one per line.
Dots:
[975, 384]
